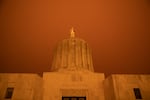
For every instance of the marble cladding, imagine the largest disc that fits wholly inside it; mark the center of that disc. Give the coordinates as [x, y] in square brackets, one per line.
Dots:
[26, 86]
[72, 53]
[74, 83]
[120, 86]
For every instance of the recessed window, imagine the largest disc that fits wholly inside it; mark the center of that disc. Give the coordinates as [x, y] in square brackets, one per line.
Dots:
[137, 93]
[82, 98]
[73, 98]
[9, 93]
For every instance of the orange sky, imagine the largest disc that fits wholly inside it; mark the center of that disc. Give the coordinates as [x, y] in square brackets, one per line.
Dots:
[118, 31]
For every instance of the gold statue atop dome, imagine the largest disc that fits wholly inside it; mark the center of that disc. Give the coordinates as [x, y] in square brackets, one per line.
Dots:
[72, 33]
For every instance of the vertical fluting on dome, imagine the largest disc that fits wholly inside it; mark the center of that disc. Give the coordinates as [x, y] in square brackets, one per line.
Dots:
[72, 54]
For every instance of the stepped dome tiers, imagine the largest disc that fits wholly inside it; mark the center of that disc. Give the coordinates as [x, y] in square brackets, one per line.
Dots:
[72, 54]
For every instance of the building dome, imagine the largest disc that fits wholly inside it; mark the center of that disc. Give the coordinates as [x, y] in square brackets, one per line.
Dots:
[72, 54]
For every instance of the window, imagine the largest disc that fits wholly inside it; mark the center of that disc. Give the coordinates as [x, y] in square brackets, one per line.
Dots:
[137, 93]
[82, 98]
[73, 98]
[9, 93]
[65, 98]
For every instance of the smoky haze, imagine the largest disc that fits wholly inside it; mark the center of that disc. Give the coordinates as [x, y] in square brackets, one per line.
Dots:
[118, 32]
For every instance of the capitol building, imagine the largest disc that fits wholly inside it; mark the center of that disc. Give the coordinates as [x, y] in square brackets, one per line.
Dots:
[72, 77]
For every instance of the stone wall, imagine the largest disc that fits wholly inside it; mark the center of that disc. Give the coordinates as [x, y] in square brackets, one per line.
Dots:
[26, 86]
[73, 83]
[120, 87]
[109, 89]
